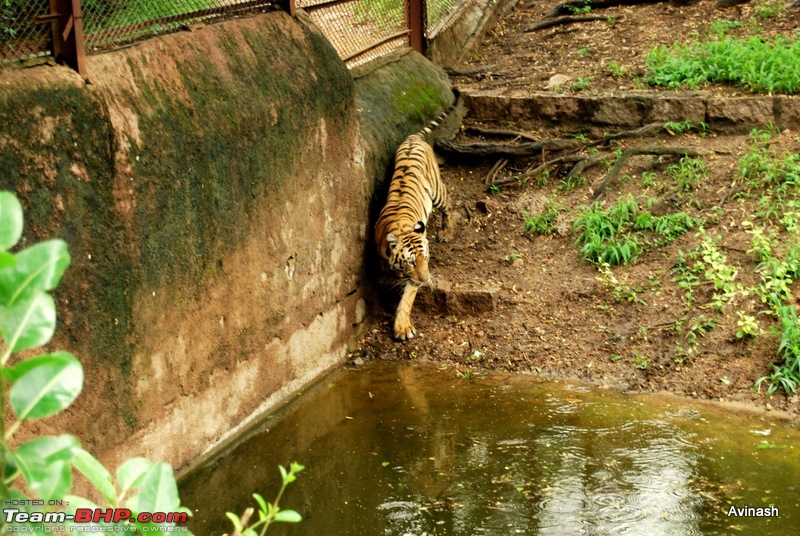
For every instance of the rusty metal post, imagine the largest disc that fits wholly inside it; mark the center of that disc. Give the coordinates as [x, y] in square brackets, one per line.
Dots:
[415, 18]
[288, 6]
[68, 40]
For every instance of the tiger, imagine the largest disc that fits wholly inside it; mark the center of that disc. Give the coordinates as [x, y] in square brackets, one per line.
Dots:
[400, 231]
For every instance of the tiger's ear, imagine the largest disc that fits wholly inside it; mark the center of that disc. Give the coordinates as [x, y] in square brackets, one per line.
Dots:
[419, 227]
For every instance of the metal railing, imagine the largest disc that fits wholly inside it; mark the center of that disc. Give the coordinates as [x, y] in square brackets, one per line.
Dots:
[360, 30]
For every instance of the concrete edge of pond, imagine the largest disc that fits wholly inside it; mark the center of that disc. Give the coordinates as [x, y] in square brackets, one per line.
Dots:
[726, 115]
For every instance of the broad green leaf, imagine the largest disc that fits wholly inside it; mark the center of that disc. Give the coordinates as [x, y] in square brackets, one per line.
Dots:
[10, 220]
[44, 463]
[131, 473]
[288, 516]
[98, 475]
[48, 387]
[48, 449]
[29, 323]
[158, 492]
[39, 267]
[7, 260]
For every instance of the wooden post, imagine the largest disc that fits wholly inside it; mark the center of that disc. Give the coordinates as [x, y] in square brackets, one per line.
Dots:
[288, 6]
[415, 18]
[68, 40]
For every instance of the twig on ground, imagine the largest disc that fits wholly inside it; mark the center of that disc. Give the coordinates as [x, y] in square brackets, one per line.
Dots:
[735, 189]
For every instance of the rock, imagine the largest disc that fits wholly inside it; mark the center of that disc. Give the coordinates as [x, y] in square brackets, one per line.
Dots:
[558, 80]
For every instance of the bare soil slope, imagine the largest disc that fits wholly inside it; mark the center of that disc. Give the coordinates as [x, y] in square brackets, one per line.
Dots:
[652, 324]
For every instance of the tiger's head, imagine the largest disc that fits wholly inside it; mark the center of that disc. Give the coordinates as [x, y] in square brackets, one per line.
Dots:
[407, 253]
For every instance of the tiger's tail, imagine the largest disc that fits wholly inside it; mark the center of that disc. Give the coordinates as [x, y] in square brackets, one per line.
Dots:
[435, 122]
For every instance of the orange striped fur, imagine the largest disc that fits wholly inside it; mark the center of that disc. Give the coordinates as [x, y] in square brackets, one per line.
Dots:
[400, 232]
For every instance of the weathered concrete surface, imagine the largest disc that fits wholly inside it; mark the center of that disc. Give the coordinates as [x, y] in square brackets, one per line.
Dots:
[725, 115]
[453, 43]
[215, 188]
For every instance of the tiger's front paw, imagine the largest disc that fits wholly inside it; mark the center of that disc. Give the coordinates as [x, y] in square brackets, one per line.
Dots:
[404, 330]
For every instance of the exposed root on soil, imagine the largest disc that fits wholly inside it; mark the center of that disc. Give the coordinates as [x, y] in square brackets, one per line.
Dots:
[484, 149]
[563, 21]
[635, 151]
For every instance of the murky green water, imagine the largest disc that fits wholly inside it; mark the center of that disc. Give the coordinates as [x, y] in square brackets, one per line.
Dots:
[405, 450]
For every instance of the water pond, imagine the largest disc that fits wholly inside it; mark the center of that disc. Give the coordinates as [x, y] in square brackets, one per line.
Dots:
[401, 449]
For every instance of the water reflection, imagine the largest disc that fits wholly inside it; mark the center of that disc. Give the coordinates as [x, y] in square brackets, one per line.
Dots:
[408, 450]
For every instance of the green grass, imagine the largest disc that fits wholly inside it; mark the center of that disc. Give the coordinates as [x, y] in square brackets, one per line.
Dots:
[762, 65]
[543, 223]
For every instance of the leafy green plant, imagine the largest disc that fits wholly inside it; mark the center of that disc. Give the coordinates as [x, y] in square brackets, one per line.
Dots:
[36, 387]
[583, 82]
[720, 27]
[580, 9]
[620, 290]
[494, 189]
[768, 9]
[747, 326]
[616, 70]
[699, 327]
[617, 235]
[544, 222]
[762, 65]
[785, 375]
[687, 172]
[268, 513]
[640, 361]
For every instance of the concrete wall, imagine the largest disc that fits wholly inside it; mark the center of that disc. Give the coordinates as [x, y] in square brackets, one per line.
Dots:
[459, 39]
[216, 189]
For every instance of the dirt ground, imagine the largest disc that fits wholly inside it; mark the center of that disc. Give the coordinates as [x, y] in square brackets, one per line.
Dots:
[557, 315]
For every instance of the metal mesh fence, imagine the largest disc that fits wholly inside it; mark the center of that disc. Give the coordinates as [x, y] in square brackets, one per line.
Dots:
[360, 30]
[441, 13]
[20, 35]
[115, 22]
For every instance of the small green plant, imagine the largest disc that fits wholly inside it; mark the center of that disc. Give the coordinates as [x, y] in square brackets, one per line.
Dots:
[640, 361]
[699, 327]
[494, 189]
[720, 27]
[268, 513]
[616, 70]
[36, 387]
[648, 179]
[687, 173]
[620, 290]
[747, 326]
[580, 10]
[582, 83]
[785, 375]
[768, 9]
[570, 183]
[511, 257]
[583, 51]
[544, 222]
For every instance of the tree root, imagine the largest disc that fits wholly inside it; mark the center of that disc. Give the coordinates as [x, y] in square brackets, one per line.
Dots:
[563, 21]
[500, 132]
[485, 149]
[497, 168]
[635, 151]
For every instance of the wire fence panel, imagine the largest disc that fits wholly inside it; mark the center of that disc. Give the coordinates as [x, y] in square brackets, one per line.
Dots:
[442, 13]
[20, 35]
[109, 23]
[360, 30]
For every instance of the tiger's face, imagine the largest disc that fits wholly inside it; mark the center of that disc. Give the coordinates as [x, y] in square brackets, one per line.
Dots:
[407, 254]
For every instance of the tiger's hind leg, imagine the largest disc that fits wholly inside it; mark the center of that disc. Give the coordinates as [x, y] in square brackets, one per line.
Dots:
[403, 328]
